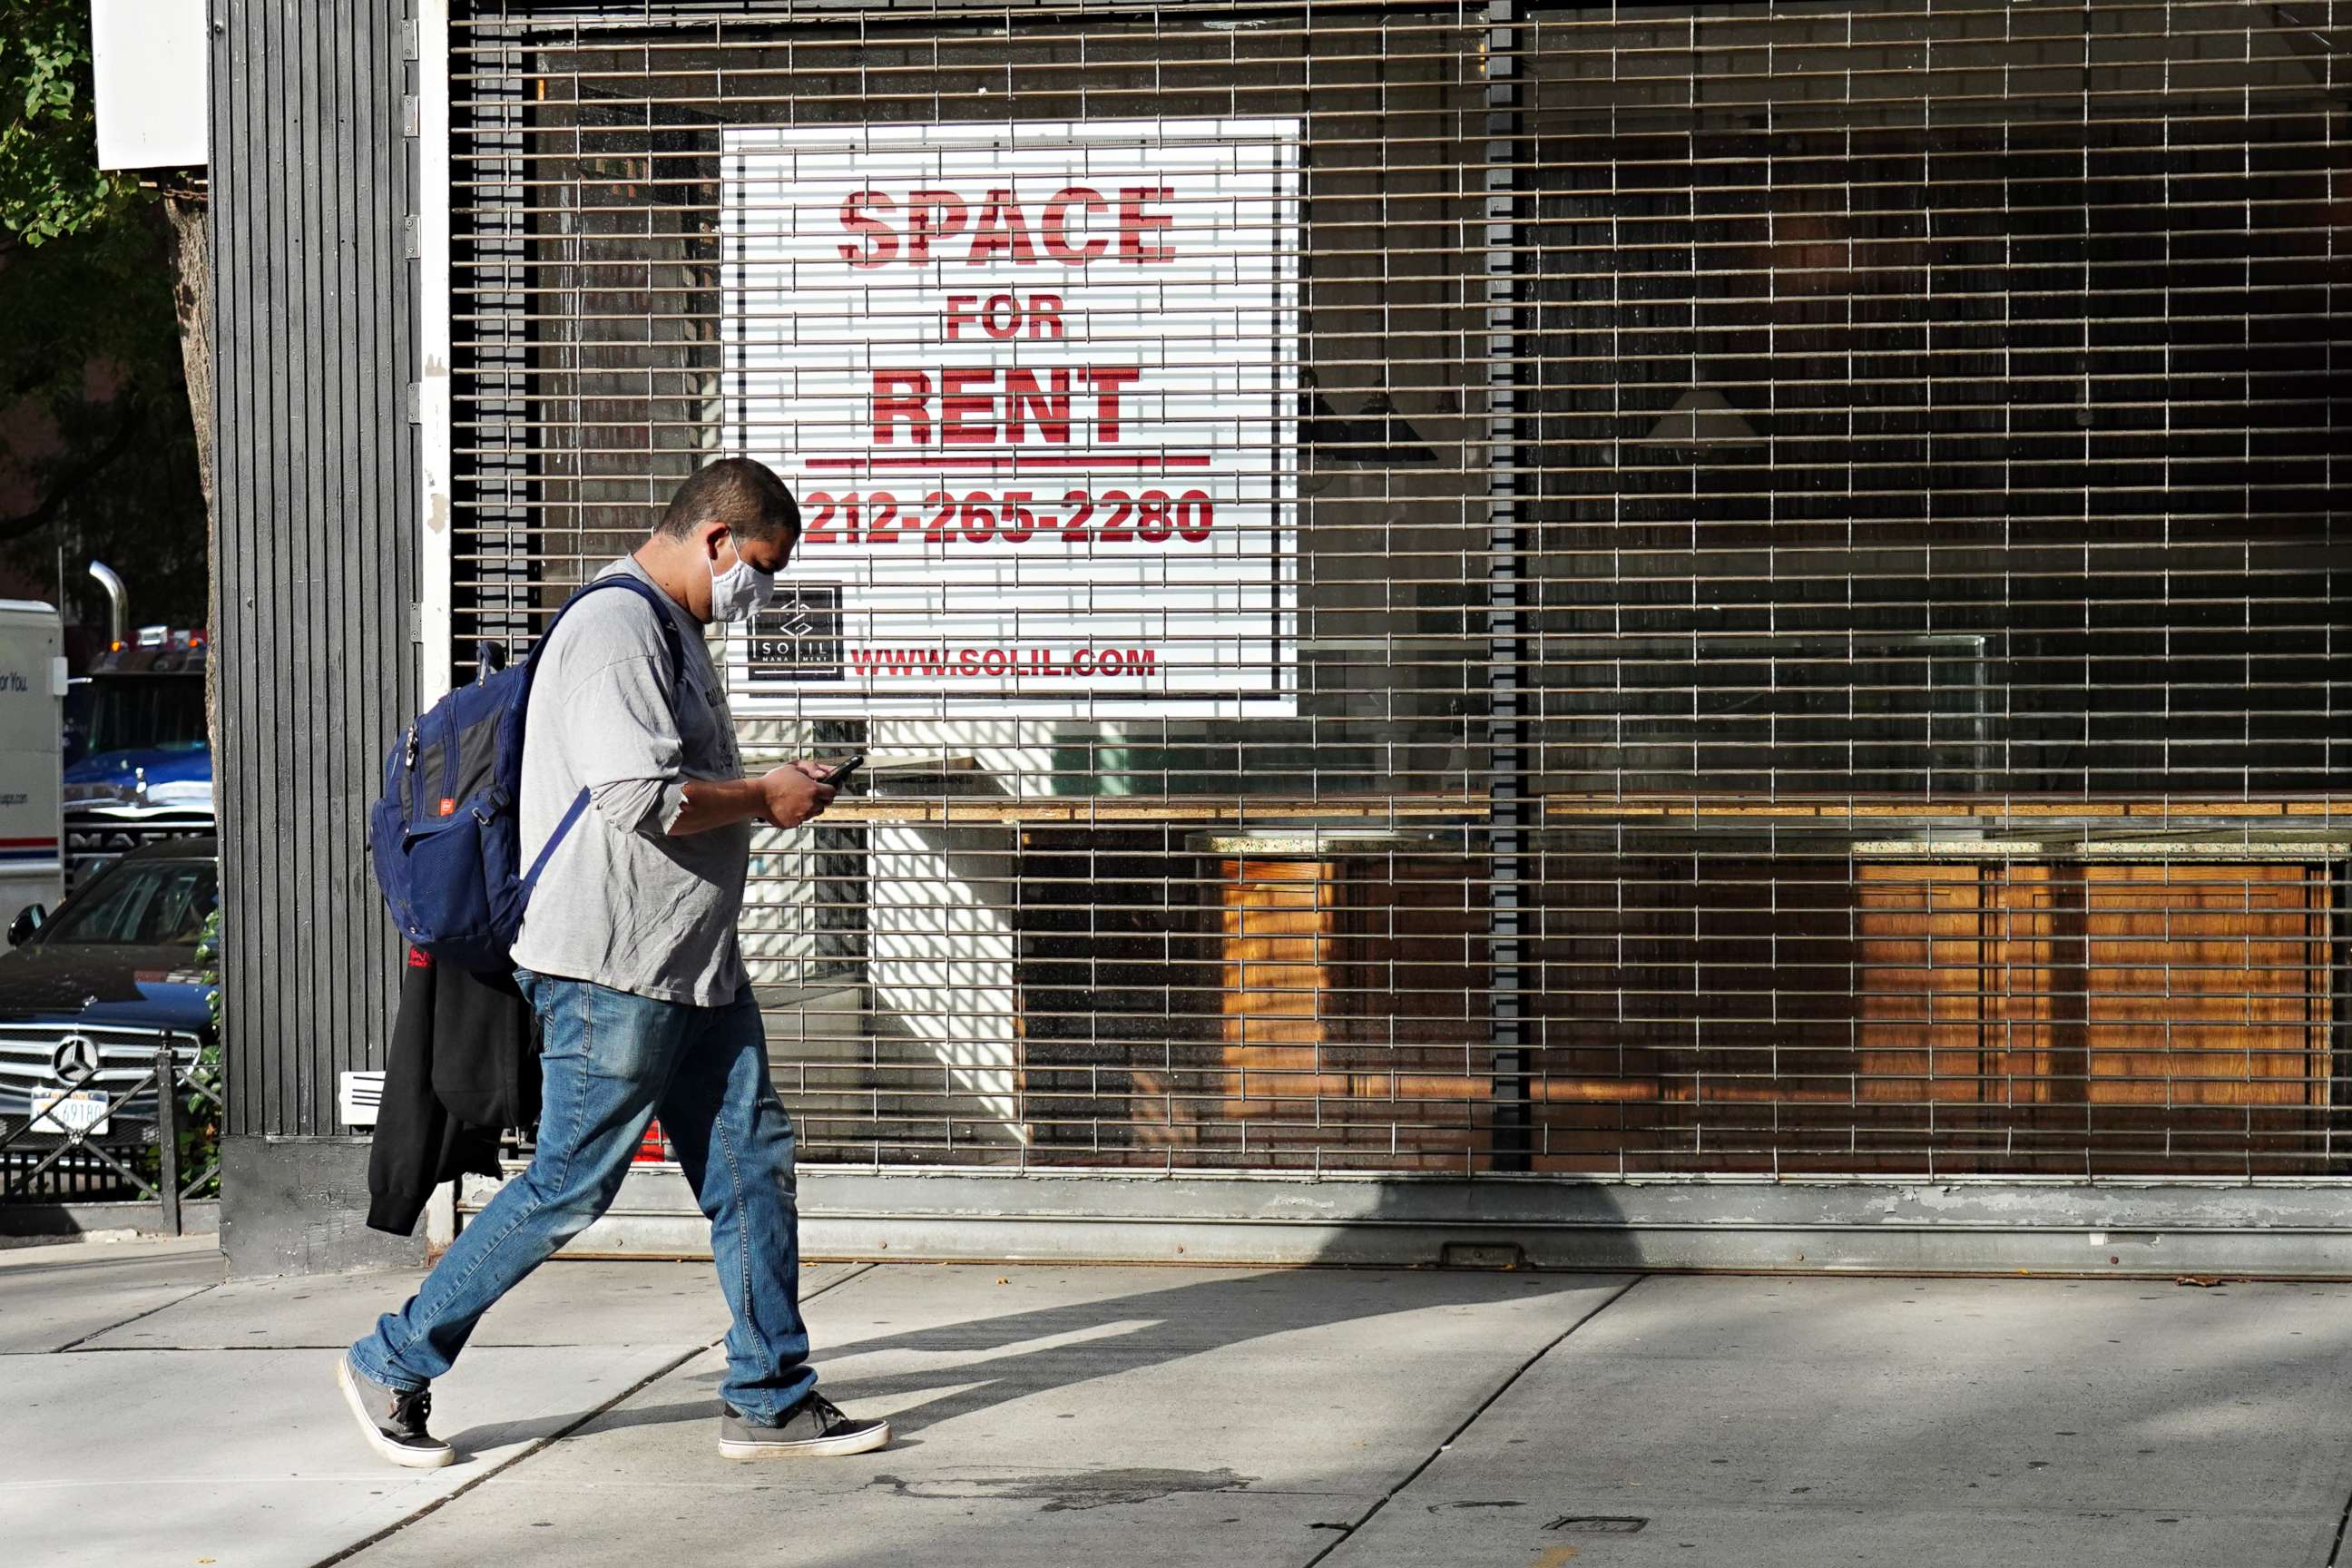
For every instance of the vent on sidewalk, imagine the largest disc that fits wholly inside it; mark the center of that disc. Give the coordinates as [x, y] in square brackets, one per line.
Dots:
[1481, 1255]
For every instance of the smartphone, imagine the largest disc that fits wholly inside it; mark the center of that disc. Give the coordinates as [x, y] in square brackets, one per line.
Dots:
[841, 775]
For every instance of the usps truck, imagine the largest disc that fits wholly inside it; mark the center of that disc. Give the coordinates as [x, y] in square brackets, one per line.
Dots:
[32, 744]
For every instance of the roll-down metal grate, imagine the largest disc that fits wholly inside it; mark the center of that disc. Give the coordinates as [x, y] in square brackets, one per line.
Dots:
[1747, 589]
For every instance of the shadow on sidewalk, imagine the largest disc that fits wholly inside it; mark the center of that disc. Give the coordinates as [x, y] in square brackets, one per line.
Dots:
[989, 1361]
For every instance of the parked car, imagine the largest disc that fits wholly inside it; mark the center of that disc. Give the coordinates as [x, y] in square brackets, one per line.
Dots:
[89, 994]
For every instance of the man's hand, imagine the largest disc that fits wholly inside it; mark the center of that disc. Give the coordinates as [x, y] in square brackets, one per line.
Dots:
[792, 795]
[785, 798]
[817, 770]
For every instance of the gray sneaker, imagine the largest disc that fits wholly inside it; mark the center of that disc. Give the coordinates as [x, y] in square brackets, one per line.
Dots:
[815, 1429]
[392, 1421]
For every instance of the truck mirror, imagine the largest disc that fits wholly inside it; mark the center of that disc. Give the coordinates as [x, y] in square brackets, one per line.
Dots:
[30, 919]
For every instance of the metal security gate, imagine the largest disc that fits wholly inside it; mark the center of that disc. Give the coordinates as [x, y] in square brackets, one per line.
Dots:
[1749, 591]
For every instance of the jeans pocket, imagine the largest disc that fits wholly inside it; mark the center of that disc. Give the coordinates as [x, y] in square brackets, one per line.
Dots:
[626, 1037]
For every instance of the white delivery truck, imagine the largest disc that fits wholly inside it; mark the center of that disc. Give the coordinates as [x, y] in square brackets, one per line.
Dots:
[32, 748]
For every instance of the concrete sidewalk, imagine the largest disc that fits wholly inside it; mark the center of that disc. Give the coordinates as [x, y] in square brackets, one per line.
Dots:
[1061, 1415]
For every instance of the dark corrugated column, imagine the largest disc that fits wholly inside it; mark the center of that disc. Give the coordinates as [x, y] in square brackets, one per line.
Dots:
[315, 335]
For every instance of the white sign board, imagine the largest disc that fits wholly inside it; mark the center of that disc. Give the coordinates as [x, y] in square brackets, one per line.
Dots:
[149, 62]
[359, 1098]
[1035, 385]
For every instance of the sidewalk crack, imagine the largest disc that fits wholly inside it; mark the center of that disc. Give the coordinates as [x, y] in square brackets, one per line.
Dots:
[1347, 1532]
[134, 1317]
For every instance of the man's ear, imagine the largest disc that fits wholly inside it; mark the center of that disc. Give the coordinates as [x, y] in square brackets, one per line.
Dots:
[713, 537]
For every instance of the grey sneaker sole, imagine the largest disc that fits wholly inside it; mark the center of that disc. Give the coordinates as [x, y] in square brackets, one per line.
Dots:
[406, 1458]
[808, 1448]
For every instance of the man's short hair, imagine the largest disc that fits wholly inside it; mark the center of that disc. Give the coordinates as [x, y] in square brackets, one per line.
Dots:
[744, 494]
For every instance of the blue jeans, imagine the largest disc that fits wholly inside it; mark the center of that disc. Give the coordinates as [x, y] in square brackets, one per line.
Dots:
[610, 1062]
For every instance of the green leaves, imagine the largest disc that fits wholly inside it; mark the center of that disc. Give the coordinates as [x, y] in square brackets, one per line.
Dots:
[200, 1117]
[50, 184]
[208, 964]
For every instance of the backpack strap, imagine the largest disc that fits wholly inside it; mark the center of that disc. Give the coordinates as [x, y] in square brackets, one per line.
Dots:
[655, 600]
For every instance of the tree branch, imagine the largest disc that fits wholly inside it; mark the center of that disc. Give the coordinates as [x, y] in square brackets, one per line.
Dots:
[79, 477]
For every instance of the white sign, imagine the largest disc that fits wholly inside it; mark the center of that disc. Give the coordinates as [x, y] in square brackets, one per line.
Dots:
[150, 61]
[76, 1110]
[1036, 386]
[359, 1098]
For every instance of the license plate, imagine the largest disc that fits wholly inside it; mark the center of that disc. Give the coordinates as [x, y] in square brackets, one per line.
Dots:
[76, 1111]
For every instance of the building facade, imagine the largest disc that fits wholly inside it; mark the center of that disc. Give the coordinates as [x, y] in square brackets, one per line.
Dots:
[1701, 635]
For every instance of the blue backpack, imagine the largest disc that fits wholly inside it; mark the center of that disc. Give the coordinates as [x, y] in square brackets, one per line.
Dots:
[445, 836]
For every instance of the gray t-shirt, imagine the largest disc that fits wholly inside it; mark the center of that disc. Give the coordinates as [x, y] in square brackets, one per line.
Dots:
[619, 902]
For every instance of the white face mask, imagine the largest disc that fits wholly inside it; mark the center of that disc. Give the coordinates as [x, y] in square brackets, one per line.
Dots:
[740, 592]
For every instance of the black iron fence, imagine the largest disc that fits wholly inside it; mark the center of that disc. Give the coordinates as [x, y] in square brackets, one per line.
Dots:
[154, 1139]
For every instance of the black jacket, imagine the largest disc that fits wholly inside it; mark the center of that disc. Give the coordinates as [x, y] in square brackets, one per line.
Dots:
[462, 1067]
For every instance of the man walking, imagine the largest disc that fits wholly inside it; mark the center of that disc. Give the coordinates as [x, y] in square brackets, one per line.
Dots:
[634, 794]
